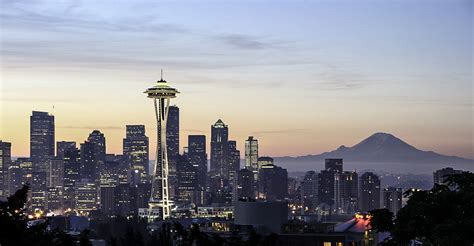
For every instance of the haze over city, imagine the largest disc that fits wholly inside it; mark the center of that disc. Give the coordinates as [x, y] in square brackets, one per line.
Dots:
[302, 77]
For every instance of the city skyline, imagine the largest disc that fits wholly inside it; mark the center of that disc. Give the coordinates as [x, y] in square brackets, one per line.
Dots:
[320, 122]
[421, 92]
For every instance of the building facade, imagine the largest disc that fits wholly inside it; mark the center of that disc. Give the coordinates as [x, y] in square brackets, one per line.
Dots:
[219, 139]
[251, 155]
[392, 199]
[136, 152]
[42, 135]
[272, 183]
[439, 176]
[5, 162]
[197, 157]
[369, 191]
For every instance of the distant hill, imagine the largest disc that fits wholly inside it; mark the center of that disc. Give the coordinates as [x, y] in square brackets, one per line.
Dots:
[379, 148]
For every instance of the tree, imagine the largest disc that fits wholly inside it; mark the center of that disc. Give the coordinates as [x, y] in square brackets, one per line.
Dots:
[15, 230]
[84, 238]
[443, 215]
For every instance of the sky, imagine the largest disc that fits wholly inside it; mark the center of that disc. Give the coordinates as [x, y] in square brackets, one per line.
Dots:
[303, 77]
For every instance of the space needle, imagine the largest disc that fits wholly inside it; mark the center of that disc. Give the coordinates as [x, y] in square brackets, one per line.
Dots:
[161, 94]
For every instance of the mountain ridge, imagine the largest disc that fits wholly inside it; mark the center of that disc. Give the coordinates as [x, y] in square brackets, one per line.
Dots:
[381, 147]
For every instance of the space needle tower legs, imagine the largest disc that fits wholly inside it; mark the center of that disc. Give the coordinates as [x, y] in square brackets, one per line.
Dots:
[161, 94]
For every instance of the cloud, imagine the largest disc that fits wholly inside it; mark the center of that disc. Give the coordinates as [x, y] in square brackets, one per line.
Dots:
[337, 77]
[244, 41]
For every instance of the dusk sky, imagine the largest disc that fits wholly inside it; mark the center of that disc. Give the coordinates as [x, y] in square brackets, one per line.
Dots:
[303, 77]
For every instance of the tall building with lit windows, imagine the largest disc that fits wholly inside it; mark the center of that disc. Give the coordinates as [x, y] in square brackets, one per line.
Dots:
[309, 190]
[233, 159]
[251, 155]
[41, 140]
[89, 164]
[20, 173]
[349, 185]
[86, 196]
[244, 188]
[39, 191]
[136, 151]
[42, 136]
[369, 191]
[392, 199]
[197, 156]
[63, 146]
[98, 139]
[72, 166]
[5, 161]
[219, 139]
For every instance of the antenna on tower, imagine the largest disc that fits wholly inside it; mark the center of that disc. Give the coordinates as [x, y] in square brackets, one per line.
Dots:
[162, 74]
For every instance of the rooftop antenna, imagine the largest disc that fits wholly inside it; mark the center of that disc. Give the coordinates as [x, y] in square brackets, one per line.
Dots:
[161, 74]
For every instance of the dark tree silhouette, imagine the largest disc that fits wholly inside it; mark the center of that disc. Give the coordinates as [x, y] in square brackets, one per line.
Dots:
[84, 239]
[14, 227]
[443, 215]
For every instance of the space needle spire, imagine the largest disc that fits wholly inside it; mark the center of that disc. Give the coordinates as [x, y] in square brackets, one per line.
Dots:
[160, 203]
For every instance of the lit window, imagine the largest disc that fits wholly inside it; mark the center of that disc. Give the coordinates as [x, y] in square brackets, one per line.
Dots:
[327, 244]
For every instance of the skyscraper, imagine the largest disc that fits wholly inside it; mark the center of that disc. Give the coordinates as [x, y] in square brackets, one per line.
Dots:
[272, 183]
[264, 160]
[172, 145]
[109, 179]
[198, 157]
[392, 199]
[334, 165]
[38, 191]
[161, 94]
[89, 178]
[55, 189]
[349, 192]
[72, 167]
[89, 165]
[369, 191]
[326, 187]
[251, 155]
[219, 139]
[439, 176]
[97, 138]
[310, 190]
[172, 134]
[86, 196]
[15, 177]
[245, 185]
[233, 159]
[54, 198]
[41, 140]
[136, 151]
[41, 151]
[56, 172]
[187, 180]
[330, 183]
[63, 146]
[20, 174]
[5, 161]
